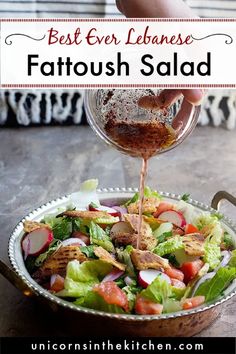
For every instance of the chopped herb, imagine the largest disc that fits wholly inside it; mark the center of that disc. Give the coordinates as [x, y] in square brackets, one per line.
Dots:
[219, 216]
[93, 205]
[88, 251]
[228, 240]
[172, 259]
[185, 197]
[165, 236]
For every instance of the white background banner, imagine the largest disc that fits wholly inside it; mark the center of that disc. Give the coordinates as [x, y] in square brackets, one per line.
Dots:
[119, 53]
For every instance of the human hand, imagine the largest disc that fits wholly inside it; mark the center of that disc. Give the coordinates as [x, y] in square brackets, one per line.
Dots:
[154, 8]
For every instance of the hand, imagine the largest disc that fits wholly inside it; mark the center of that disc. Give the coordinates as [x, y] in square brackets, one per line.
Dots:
[154, 8]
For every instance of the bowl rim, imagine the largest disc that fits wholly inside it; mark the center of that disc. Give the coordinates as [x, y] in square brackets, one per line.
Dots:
[41, 292]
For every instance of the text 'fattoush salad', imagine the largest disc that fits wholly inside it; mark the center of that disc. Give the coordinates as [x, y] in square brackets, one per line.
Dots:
[87, 254]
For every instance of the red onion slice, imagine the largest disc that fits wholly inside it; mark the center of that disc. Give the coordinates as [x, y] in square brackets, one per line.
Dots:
[208, 276]
[73, 241]
[121, 210]
[226, 258]
[113, 275]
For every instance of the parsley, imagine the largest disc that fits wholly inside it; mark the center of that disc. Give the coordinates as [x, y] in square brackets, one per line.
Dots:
[185, 197]
[172, 259]
[165, 236]
[219, 216]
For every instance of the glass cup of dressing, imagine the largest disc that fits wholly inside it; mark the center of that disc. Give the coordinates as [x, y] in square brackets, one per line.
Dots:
[140, 122]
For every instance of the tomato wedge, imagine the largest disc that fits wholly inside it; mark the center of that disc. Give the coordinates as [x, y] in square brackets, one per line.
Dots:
[193, 302]
[190, 269]
[174, 273]
[56, 283]
[147, 307]
[112, 294]
[191, 229]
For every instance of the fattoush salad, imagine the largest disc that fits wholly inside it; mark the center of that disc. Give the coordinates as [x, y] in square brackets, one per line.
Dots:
[87, 254]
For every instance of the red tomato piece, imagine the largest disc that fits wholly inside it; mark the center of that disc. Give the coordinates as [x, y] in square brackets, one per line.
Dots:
[193, 302]
[190, 269]
[175, 273]
[163, 206]
[112, 294]
[147, 307]
[57, 283]
[191, 229]
[178, 284]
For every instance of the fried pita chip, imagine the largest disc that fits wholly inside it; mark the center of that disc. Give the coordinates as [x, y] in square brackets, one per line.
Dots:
[105, 256]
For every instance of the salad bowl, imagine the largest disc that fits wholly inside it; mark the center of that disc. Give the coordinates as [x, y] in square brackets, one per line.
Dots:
[183, 323]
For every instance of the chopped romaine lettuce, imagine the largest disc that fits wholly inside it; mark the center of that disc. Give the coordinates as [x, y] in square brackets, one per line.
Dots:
[61, 227]
[124, 257]
[212, 254]
[171, 305]
[100, 238]
[87, 194]
[80, 278]
[232, 262]
[148, 192]
[88, 251]
[131, 293]
[42, 257]
[169, 246]
[214, 287]
[160, 291]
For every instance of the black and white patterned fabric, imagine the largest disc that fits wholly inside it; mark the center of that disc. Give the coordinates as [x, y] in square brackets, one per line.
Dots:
[37, 107]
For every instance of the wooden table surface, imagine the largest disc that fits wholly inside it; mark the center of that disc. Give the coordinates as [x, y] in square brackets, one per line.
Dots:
[39, 164]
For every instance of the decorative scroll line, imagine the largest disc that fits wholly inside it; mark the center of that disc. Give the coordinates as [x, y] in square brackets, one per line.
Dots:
[227, 41]
[9, 42]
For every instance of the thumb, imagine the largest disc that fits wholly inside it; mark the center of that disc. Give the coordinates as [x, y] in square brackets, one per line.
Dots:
[194, 96]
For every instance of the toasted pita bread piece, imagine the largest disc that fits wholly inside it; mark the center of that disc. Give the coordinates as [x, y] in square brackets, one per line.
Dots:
[57, 262]
[105, 256]
[85, 214]
[149, 205]
[30, 226]
[148, 241]
[147, 260]
[194, 244]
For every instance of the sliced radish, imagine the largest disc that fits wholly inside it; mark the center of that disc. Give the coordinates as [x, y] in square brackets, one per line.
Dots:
[111, 211]
[173, 216]
[120, 228]
[37, 241]
[81, 236]
[146, 277]
[56, 283]
[162, 207]
[178, 284]
[113, 275]
[73, 241]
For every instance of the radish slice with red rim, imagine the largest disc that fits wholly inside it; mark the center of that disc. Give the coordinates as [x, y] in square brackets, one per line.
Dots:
[37, 241]
[173, 216]
[73, 241]
[146, 277]
[111, 211]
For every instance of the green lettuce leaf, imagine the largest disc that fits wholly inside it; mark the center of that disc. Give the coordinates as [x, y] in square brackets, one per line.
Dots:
[148, 192]
[171, 305]
[124, 257]
[158, 291]
[169, 246]
[131, 292]
[42, 257]
[232, 262]
[100, 238]
[212, 254]
[228, 241]
[163, 231]
[61, 227]
[214, 287]
[88, 251]
[80, 278]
